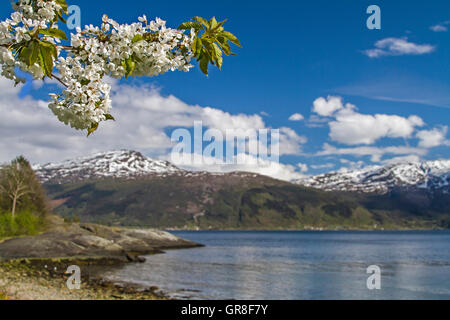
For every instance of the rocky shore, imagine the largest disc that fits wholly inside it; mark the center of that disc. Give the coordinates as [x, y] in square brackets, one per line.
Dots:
[35, 267]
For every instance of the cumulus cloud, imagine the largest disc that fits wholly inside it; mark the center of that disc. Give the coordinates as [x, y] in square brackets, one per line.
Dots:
[353, 128]
[290, 142]
[144, 122]
[327, 107]
[356, 128]
[433, 138]
[296, 117]
[398, 47]
[246, 163]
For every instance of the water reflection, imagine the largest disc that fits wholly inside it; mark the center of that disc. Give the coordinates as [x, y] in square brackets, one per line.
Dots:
[300, 265]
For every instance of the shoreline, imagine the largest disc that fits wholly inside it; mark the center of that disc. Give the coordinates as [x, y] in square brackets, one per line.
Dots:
[46, 279]
[310, 230]
[34, 267]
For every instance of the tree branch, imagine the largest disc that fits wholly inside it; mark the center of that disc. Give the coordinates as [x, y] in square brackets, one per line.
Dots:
[59, 80]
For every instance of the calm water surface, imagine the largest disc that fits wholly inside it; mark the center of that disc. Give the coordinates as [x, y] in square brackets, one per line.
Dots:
[300, 265]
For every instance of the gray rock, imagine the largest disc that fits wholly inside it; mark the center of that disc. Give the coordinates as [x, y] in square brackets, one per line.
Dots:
[91, 240]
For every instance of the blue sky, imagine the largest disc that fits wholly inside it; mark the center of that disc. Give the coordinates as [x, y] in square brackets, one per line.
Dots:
[295, 52]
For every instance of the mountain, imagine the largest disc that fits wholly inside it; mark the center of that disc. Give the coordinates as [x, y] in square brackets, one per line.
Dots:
[126, 188]
[429, 175]
[113, 164]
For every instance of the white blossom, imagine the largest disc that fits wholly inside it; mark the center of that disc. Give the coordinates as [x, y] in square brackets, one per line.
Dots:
[86, 101]
[145, 48]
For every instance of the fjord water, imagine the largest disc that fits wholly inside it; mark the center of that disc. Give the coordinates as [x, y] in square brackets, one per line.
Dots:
[300, 265]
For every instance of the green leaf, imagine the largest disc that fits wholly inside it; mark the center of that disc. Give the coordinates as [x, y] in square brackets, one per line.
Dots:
[204, 63]
[220, 24]
[137, 38]
[56, 33]
[190, 25]
[109, 117]
[231, 37]
[217, 55]
[197, 47]
[30, 54]
[129, 65]
[213, 23]
[224, 45]
[51, 47]
[46, 60]
[34, 53]
[201, 20]
[92, 129]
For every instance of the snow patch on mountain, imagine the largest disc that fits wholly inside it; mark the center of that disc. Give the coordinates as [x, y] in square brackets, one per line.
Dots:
[430, 175]
[112, 164]
[123, 164]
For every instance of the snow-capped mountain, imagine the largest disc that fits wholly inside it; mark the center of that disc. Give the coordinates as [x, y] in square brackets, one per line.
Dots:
[431, 175]
[124, 164]
[112, 164]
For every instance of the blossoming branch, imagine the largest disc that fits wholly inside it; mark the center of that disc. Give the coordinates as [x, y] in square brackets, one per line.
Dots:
[31, 41]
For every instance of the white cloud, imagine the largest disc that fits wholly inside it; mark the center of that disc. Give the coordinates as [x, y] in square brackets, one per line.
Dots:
[323, 166]
[247, 163]
[316, 121]
[144, 120]
[433, 138]
[327, 107]
[351, 165]
[356, 128]
[398, 47]
[290, 142]
[353, 128]
[403, 159]
[296, 117]
[303, 167]
[375, 153]
[441, 27]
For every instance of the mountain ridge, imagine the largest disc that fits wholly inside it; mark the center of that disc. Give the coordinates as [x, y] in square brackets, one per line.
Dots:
[128, 164]
[119, 164]
[429, 175]
[126, 188]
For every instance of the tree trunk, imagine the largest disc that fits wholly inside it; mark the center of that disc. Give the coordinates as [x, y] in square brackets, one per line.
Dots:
[13, 212]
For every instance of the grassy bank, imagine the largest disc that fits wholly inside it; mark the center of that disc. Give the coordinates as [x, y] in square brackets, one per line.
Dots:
[25, 223]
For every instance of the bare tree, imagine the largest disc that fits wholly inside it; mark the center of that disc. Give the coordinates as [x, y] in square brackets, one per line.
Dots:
[15, 181]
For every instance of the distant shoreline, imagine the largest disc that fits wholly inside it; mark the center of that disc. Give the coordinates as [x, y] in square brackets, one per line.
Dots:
[305, 230]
